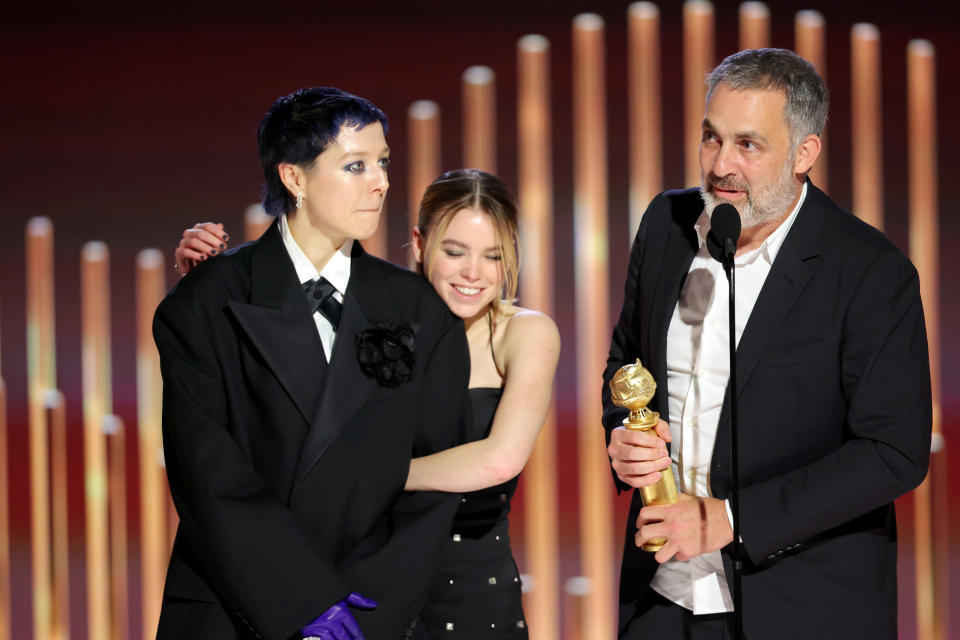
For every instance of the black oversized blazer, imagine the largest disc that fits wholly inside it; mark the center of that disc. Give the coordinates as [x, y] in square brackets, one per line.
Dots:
[834, 415]
[287, 472]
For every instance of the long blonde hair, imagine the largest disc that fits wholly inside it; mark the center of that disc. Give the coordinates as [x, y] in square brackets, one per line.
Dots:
[471, 189]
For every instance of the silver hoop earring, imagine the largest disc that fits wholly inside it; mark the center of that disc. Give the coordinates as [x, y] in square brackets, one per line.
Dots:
[300, 200]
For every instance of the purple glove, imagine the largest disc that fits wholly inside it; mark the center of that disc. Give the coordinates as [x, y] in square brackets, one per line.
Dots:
[337, 622]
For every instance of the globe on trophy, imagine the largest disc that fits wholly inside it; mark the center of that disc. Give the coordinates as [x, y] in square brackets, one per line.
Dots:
[632, 387]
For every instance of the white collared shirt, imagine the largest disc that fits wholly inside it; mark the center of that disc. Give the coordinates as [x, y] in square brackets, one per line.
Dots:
[698, 369]
[336, 271]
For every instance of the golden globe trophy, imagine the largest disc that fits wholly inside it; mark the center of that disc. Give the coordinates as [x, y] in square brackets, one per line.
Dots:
[632, 388]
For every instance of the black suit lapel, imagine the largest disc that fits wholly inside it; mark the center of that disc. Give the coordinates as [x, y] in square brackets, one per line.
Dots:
[788, 276]
[346, 386]
[280, 325]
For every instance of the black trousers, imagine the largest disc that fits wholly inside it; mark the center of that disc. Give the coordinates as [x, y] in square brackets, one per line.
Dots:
[659, 619]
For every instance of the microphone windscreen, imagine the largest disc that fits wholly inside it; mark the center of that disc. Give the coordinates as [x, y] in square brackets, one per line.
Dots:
[724, 225]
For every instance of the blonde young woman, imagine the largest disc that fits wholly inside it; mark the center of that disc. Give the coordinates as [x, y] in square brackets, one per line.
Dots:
[466, 246]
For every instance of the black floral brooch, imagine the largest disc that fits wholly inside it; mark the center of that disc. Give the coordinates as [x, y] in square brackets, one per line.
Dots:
[386, 353]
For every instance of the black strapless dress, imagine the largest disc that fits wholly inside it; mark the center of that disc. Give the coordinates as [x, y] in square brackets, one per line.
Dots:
[476, 594]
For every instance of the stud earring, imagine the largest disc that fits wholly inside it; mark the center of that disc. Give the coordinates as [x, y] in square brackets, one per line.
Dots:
[300, 200]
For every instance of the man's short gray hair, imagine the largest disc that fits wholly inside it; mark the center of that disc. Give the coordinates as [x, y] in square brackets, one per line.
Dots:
[778, 69]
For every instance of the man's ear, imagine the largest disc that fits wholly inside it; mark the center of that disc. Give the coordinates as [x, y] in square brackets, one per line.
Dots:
[807, 154]
[417, 245]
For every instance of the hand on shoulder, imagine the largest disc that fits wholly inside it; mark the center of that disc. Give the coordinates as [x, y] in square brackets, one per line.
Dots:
[203, 240]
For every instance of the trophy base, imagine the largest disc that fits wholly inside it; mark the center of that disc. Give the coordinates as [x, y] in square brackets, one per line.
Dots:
[654, 545]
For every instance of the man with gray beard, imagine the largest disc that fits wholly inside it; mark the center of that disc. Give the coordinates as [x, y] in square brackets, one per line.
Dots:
[834, 388]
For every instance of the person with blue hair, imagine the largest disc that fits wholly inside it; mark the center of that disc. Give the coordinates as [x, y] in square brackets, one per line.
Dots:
[300, 376]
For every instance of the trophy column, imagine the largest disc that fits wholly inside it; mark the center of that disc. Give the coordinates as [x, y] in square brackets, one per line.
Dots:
[632, 387]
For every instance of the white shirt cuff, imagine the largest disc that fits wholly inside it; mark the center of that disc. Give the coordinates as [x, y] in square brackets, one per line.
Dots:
[726, 503]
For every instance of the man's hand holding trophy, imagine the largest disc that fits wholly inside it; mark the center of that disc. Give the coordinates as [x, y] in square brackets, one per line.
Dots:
[632, 387]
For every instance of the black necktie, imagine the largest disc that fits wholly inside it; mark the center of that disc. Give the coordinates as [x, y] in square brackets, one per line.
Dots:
[319, 294]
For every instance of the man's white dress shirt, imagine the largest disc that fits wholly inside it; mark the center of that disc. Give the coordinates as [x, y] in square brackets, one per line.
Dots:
[698, 368]
[336, 271]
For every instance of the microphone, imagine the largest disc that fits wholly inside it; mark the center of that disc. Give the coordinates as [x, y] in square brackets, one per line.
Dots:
[724, 233]
[722, 244]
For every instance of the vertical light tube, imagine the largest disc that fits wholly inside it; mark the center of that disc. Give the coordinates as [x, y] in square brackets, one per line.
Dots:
[593, 330]
[41, 376]
[423, 122]
[97, 402]
[541, 546]
[754, 25]
[112, 427]
[255, 222]
[931, 542]
[574, 591]
[698, 56]
[810, 36]
[646, 138]
[479, 119]
[57, 433]
[154, 550]
[866, 126]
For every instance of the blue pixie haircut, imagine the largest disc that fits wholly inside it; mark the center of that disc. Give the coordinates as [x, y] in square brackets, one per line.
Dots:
[298, 128]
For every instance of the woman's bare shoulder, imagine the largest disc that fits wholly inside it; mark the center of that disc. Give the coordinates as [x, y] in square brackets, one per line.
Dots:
[527, 328]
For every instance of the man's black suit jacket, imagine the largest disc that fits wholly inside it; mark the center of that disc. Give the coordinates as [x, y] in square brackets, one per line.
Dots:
[834, 415]
[288, 472]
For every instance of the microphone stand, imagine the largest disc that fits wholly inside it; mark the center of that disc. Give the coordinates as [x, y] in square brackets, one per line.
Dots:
[729, 250]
